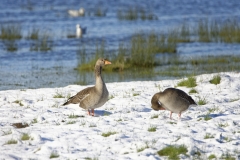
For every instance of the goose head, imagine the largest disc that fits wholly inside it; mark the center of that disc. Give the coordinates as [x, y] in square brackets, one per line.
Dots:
[156, 104]
[102, 62]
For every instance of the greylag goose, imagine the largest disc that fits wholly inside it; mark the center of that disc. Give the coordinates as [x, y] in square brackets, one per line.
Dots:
[92, 97]
[173, 100]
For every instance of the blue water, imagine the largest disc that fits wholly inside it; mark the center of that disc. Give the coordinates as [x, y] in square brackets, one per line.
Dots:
[30, 69]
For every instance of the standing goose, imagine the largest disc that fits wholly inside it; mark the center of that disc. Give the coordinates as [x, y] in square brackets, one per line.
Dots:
[172, 99]
[92, 97]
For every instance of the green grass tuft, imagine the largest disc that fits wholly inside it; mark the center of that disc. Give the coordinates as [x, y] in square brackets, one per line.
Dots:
[107, 134]
[202, 101]
[223, 125]
[72, 116]
[71, 122]
[193, 91]
[154, 116]
[212, 156]
[190, 82]
[59, 95]
[208, 136]
[18, 102]
[216, 80]
[173, 152]
[34, 120]
[152, 129]
[207, 117]
[25, 137]
[227, 156]
[54, 155]
[11, 141]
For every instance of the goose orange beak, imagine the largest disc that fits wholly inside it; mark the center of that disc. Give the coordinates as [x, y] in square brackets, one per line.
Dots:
[107, 62]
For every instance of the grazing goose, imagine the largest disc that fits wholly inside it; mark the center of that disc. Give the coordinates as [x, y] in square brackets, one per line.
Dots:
[92, 97]
[174, 100]
[76, 13]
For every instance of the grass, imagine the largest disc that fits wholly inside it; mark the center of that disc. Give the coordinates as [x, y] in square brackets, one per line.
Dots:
[208, 136]
[72, 116]
[154, 116]
[202, 101]
[152, 128]
[88, 158]
[34, 120]
[193, 91]
[107, 134]
[10, 32]
[234, 99]
[71, 122]
[223, 125]
[190, 82]
[227, 156]
[136, 94]
[227, 139]
[25, 137]
[54, 155]
[11, 141]
[212, 156]
[18, 102]
[207, 117]
[59, 95]
[173, 152]
[211, 110]
[215, 80]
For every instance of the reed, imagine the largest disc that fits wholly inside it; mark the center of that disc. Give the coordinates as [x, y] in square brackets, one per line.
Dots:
[10, 32]
[33, 34]
[11, 45]
[227, 31]
[89, 65]
[135, 13]
[99, 12]
[43, 44]
[130, 14]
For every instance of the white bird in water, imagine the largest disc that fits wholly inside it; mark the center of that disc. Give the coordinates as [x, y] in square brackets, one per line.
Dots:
[76, 13]
[80, 30]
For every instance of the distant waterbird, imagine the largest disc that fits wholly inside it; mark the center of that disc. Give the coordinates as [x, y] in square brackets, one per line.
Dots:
[76, 13]
[80, 31]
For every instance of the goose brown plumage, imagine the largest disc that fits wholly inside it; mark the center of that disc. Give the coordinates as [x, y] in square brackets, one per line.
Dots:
[172, 99]
[92, 97]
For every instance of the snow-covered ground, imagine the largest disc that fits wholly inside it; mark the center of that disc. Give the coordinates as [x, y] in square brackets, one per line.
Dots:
[67, 131]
